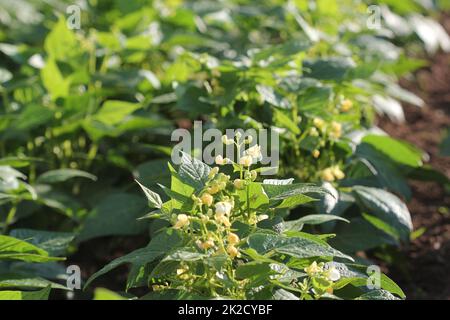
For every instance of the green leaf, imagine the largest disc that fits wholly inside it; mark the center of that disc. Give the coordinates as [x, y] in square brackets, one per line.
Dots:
[269, 95]
[312, 219]
[152, 171]
[162, 243]
[153, 198]
[54, 81]
[298, 247]
[360, 235]
[389, 174]
[61, 43]
[9, 280]
[105, 294]
[283, 121]
[281, 192]
[396, 150]
[379, 294]
[25, 295]
[291, 195]
[314, 101]
[61, 175]
[33, 116]
[115, 214]
[386, 206]
[445, 145]
[193, 171]
[253, 269]
[328, 68]
[55, 243]
[256, 195]
[281, 294]
[16, 249]
[114, 111]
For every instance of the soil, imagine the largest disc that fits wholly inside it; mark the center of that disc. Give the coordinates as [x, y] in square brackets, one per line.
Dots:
[424, 272]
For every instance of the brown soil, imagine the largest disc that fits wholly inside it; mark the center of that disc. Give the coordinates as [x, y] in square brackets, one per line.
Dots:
[424, 272]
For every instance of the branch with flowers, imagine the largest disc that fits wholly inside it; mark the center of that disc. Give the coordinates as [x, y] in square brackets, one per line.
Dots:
[224, 237]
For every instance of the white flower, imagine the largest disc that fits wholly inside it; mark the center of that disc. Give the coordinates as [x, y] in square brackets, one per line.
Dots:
[254, 152]
[223, 207]
[313, 269]
[333, 274]
[221, 160]
[262, 217]
[221, 218]
[182, 220]
[246, 161]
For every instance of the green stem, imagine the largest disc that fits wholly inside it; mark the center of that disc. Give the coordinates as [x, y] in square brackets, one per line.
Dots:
[9, 218]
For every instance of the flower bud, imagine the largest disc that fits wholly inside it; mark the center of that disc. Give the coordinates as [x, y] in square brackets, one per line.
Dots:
[316, 153]
[207, 199]
[220, 160]
[182, 220]
[213, 172]
[318, 123]
[346, 105]
[327, 175]
[246, 161]
[232, 251]
[337, 172]
[239, 184]
[213, 189]
[313, 269]
[313, 132]
[233, 238]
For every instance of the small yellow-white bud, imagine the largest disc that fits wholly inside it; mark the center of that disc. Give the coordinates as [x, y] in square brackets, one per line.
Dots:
[346, 105]
[207, 199]
[318, 123]
[221, 218]
[182, 220]
[220, 160]
[232, 251]
[246, 161]
[337, 172]
[249, 140]
[239, 184]
[327, 175]
[213, 172]
[227, 141]
[313, 269]
[316, 153]
[232, 238]
[253, 175]
[313, 132]
[336, 130]
[213, 189]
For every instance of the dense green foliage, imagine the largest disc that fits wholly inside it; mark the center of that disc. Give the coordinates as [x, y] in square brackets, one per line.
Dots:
[83, 112]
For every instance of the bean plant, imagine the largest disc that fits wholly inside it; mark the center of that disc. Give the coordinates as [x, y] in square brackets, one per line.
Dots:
[223, 239]
[86, 110]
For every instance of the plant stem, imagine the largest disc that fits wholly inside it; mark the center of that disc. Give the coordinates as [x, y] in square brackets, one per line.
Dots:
[9, 218]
